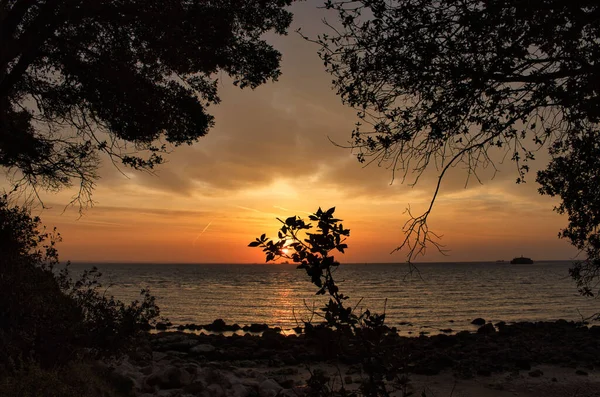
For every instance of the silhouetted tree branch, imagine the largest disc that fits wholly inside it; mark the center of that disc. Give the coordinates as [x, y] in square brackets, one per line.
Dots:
[80, 78]
[443, 83]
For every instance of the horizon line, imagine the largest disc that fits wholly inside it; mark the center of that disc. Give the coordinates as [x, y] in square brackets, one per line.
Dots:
[116, 262]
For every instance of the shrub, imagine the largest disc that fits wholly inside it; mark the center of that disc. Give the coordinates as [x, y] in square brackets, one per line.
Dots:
[46, 317]
[370, 337]
[313, 254]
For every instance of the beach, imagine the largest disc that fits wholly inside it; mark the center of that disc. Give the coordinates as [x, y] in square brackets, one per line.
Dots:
[523, 359]
[434, 334]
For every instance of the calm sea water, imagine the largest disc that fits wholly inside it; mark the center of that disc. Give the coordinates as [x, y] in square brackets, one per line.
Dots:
[447, 295]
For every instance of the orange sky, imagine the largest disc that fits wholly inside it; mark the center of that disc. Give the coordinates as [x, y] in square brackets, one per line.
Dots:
[270, 156]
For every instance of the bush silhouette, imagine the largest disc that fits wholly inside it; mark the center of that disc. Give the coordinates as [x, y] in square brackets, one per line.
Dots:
[313, 254]
[47, 318]
[343, 332]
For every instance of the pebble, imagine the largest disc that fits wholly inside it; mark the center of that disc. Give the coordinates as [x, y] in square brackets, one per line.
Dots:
[536, 373]
[202, 349]
[177, 364]
[269, 388]
[215, 390]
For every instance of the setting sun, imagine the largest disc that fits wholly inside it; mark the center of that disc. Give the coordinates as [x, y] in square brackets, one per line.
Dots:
[286, 251]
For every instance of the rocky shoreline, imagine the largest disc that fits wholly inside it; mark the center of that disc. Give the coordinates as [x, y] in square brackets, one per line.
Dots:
[183, 364]
[218, 325]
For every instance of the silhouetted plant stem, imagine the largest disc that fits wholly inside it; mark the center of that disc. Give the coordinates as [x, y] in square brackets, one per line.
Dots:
[341, 323]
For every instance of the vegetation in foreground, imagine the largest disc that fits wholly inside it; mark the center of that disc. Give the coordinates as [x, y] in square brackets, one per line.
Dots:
[342, 331]
[50, 323]
[75, 379]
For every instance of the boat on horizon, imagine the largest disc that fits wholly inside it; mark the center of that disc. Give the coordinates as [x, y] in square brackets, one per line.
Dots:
[522, 261]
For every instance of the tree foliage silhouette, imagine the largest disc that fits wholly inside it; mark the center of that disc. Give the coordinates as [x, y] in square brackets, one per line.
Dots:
[574, 176]
[443, 83]
[78, 79]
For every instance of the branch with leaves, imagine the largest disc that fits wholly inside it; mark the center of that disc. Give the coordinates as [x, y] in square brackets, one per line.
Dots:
[79, 79]
[445, 83]
[312, 252]
[311, 248]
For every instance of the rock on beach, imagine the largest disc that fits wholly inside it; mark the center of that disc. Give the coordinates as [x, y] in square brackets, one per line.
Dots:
[181, 364]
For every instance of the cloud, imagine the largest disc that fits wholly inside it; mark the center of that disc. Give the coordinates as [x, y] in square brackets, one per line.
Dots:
[278, 131]
[283, 131]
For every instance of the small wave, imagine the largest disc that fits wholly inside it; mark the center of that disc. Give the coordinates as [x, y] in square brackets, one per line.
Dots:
[255, 294]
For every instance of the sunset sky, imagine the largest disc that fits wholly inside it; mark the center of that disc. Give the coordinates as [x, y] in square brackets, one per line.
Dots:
[270, 156]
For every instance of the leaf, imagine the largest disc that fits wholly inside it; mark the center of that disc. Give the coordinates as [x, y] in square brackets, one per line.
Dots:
[254, 244]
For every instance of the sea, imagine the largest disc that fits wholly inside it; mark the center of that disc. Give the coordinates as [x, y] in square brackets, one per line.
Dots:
[434, 297]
